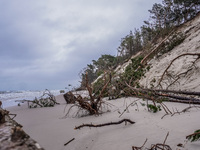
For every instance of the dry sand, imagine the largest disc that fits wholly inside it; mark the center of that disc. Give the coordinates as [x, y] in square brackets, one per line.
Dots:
[46, 126]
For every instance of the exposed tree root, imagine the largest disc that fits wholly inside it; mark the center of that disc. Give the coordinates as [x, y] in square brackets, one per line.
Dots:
[105, 124]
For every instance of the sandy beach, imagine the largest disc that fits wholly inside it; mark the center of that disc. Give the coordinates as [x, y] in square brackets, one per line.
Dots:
[46, 126]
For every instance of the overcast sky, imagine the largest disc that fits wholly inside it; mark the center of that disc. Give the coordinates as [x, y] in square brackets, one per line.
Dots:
[46, 43]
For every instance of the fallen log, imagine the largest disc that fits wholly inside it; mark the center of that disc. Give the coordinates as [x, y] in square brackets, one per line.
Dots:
[176, 92]
[179, 97]
[171, 98]
[105, 124]
[12, 136]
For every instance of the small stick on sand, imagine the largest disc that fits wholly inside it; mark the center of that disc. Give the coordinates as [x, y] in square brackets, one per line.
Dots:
[69, 141]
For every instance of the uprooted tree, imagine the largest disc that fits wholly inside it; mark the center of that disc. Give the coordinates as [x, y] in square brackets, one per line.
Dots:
[92, 104]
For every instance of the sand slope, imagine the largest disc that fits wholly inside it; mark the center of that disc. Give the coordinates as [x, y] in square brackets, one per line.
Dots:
[189, 81]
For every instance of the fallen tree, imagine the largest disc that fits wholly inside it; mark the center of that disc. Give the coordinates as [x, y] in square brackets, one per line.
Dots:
[93, 104]
[163, 95]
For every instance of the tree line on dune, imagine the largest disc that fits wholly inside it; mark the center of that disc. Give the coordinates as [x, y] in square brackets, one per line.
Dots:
[163, 19]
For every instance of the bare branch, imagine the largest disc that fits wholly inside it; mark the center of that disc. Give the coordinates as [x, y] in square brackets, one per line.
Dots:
[191, 54]
[105, 124]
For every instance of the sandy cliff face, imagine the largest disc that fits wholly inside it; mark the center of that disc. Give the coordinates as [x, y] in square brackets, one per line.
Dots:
[184, 73]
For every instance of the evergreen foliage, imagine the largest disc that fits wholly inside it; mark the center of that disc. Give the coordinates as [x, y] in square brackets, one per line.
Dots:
[133, 71]
[194, 137]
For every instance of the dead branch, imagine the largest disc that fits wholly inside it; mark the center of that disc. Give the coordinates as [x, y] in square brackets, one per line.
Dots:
[93, 104]
[157, 146]
[176, 92]
[14, 115]
[165, 139]
[104, 88]
[161, 146]
[105, 124]
[178, 77]
[88, 87]
[69, 141]
[29, 101]
[179, 97]
[128, 107]
[144, 60]
[183, 111]
[139, 148]
[171, 98]
[191, 54]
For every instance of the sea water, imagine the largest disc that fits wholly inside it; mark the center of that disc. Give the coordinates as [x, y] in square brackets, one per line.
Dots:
[9, 98]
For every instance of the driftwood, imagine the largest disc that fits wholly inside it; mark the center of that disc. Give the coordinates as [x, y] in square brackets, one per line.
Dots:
[42, 101]
[69, 141]
[105, 124]
[12, 136]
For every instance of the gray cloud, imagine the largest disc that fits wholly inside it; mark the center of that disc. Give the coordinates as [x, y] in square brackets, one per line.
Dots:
[45, 44]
